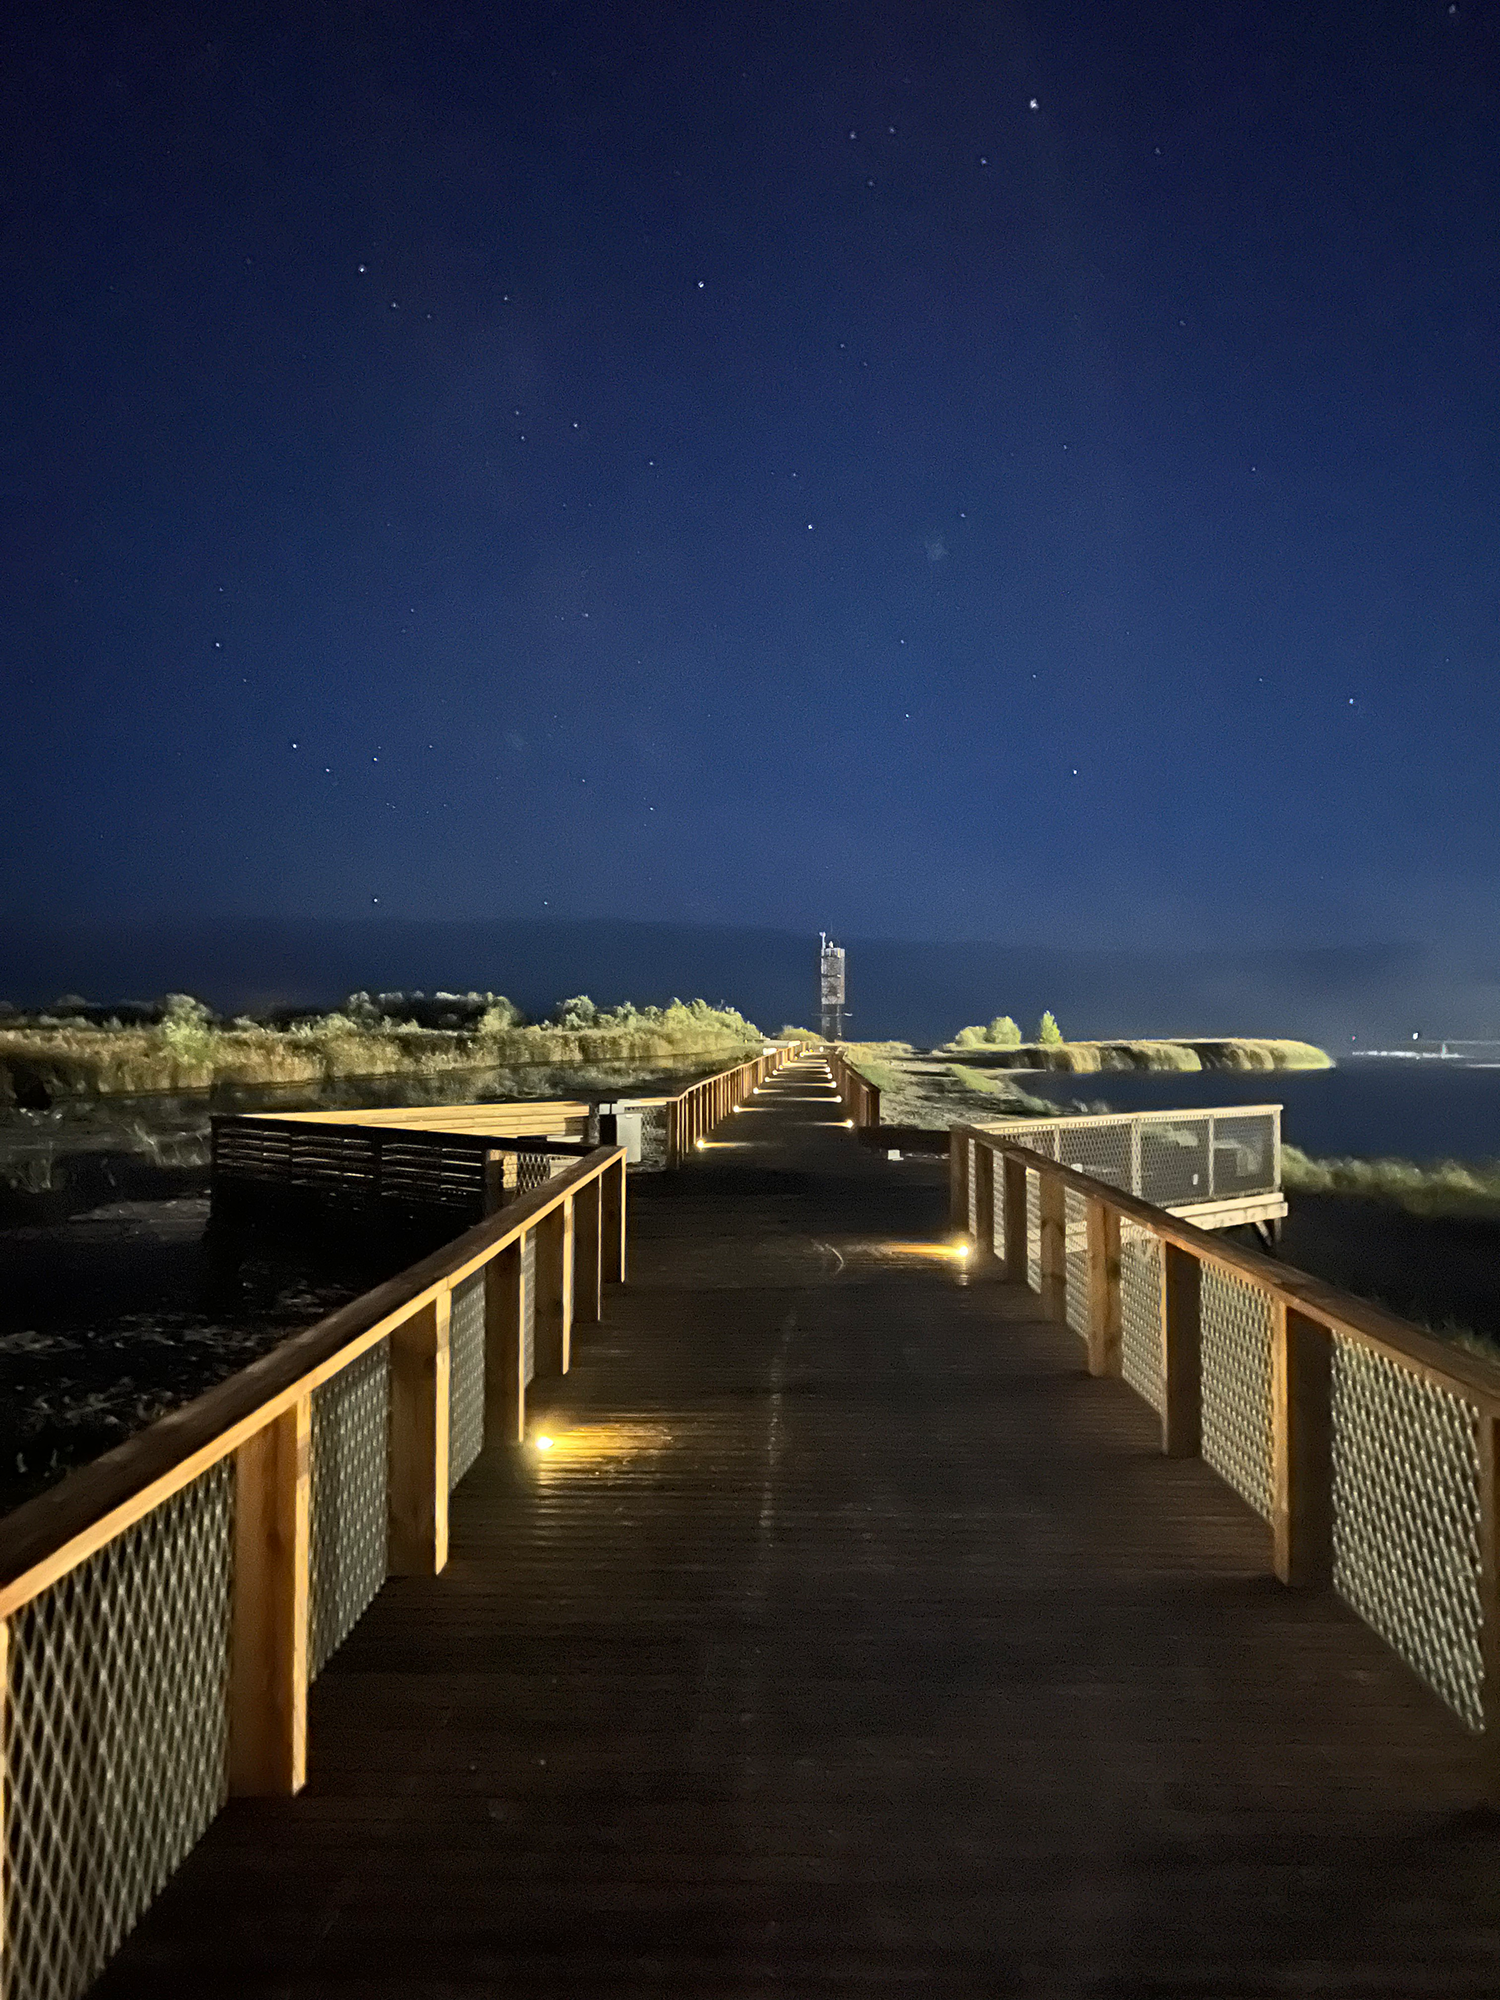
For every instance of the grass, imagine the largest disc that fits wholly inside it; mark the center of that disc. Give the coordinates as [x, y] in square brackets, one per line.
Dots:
[1448, 1188]
[1011, 1100]
[1229, 1052]
[186, 1050]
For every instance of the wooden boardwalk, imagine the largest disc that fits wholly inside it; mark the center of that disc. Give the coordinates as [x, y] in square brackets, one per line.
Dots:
[850, 1641]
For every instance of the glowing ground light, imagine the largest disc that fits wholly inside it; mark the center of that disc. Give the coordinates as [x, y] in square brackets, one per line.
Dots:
[544, 1444]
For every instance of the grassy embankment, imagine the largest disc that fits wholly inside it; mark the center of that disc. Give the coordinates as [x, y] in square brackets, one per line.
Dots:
[1224, 1052]
[186, 1049]
[1447, 1188]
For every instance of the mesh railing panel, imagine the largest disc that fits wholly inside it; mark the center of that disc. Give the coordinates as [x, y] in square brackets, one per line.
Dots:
[347, 1540]
[1235, 1336]
[1104, 1151]
[997, 1217]
[1406, 1519]
[1140, 1310]
[1244, 1155]
[972, 1148]
[465, 1377]
[528, 1305]
[1174, 1160]
[654, 1129]
[1076, 1289]
[534, 1170]
[116, 1736]
[1033, 1229]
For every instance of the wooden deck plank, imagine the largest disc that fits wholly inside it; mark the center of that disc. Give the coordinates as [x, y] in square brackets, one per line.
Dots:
[852, 1640]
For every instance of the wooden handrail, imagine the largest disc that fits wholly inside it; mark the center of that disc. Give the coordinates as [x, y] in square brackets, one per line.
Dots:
[48, 1536]
[1360, 1320]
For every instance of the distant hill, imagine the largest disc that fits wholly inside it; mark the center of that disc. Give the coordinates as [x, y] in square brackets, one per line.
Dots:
[922, 991]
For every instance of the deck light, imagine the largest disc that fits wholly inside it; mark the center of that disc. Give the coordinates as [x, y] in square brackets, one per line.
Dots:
[544, 1444]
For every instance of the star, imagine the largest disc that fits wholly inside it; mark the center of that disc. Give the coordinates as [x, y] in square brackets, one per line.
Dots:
[1034, 105]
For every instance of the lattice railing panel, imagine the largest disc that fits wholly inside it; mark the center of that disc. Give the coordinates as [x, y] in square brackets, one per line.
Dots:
[1076, 1272]
[971, 1148]
[1235, 1332]
[115, 1736]
[1103, 1151]
[528, 1305]
[1406, 1519]
[997, 1234]
[1175, 1163]
[1244, 1154]
[1140, 1310]
[465, 1377]
[1033, 1229]
[350, 1478]
[654, 1131]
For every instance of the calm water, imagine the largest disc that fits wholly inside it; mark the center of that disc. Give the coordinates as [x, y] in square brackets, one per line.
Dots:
[1426, 1110]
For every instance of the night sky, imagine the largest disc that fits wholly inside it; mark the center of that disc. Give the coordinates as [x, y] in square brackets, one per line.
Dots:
[996, 472]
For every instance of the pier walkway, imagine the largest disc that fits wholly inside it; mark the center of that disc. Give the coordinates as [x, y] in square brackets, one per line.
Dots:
[850, 1639]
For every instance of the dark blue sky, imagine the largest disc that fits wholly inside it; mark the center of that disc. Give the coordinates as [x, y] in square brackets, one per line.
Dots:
[753, 464]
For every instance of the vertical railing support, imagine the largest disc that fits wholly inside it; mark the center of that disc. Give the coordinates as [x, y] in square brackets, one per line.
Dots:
[984, 1208]
[1104, 1288]
[418, 1507]
[613, 1226]
[588, 1252]
[1301, 1447]
[1054, 1246]
[1181, 1403]
[268, 1631]
[958, 1179]
[1017, 1221]
[505, 1347]
[554, 1290]
[5, 1801]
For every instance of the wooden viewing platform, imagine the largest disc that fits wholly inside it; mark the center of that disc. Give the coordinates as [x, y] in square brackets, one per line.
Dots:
[851, 1639]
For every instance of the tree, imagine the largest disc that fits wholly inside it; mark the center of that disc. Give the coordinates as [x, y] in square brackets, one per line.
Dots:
[1002, 1033]
[1049, 1034]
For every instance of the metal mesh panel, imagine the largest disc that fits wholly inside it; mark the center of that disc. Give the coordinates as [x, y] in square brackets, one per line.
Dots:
[1174, 1160]
[1235, 1333]
[116, 1736]
[351, 1417]
[534, 1170]
[1406, 1519]
[528, 1305]
[972, 1147]
[1140, 1310]
[997, 1205]
[1033, 1229]
[654, 1121]
[1101, 1150]
[1076, 1273]
[1244, 1155]
[465, 1377]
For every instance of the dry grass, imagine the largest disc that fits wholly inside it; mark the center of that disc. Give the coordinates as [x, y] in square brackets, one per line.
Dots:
[38, 1064]
[1449, 1188]
[1230, 1052]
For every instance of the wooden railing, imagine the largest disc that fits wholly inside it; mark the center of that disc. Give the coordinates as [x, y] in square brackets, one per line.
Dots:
[1370, 1449]
[163, 1609]
[694, 1112]
[860, 1097]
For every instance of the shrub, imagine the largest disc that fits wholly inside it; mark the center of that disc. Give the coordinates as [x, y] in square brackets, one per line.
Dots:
[1002, 1033]
[1048, 1034]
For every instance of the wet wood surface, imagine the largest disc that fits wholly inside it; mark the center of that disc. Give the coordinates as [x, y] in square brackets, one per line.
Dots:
[850, 1640]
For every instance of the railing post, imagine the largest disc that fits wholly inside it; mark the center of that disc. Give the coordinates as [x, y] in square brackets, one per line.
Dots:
[1104, 1288]
[1181, 1403]
[1054, 1246]
[588, 1252]
[418, 1507]
[5, 1798]
[1489, 1597]
[505, 1347]
[1017, 1221]
[958, 1179]
[984, 1207]
[268, 1631]
[554, 1289]
[613, 1225]
[1301, 1447]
